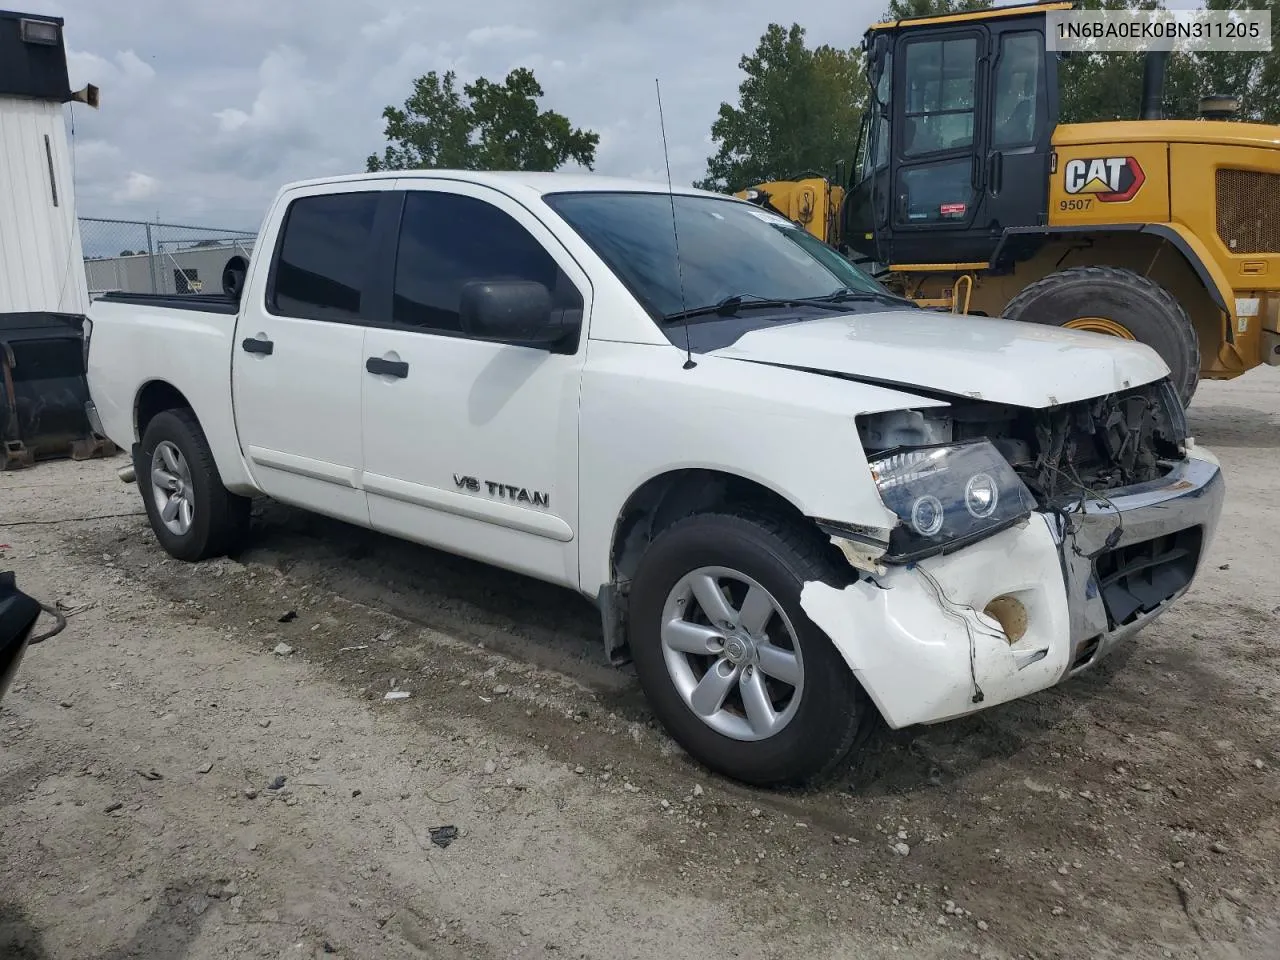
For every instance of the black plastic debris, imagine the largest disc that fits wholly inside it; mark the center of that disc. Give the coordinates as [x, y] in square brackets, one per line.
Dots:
[277, 783]
[443, 836]
[289, 617]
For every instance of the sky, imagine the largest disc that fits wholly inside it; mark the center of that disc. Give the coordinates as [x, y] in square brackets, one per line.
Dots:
[209, 106]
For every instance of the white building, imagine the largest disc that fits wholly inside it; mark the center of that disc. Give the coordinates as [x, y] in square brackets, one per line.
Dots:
[43, 294]
[40, 252]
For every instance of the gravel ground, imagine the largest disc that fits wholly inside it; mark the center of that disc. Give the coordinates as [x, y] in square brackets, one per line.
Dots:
[206, 764]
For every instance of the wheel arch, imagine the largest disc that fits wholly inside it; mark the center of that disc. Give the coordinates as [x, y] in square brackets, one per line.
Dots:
[1166, 253]
[659, 502]
[1018, 245]
[155, 396]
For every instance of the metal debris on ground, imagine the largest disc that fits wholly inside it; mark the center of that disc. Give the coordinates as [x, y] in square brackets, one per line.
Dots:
[289, 617]
[397, 695]
[443, 836]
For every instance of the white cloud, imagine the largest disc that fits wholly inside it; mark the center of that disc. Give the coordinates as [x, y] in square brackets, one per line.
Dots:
[94, 152]
[507, 33]
[125, 68]
[84, 67]
[384, 28]
[133, 68]
[231, 119]
[137, 186]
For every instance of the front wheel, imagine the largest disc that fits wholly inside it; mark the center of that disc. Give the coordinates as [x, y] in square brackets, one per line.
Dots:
[731, 664]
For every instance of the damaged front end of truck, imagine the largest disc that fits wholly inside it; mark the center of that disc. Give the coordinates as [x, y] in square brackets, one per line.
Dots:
[1028, 543]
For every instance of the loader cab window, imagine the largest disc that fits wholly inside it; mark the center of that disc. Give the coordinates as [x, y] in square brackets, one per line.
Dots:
[879, 152]
[940, 78]
[936, 113]
[1019, 100]
[873, 136]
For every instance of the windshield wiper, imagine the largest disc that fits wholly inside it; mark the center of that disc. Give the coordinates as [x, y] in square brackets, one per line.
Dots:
[848, 295]
[731, 306]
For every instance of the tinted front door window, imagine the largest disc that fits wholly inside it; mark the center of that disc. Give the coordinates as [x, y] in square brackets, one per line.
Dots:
[448, 240]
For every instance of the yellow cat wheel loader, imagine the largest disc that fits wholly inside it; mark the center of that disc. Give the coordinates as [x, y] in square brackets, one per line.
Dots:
[967, 194]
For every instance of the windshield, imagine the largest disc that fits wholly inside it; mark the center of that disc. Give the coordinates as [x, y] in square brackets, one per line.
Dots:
[728, 249]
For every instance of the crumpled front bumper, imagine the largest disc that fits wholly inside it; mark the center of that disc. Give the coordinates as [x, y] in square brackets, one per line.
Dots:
[1088, 576]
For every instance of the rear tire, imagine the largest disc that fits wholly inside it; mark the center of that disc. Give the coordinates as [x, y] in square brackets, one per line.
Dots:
[1126, 299]
[815, 707]
[192, 514]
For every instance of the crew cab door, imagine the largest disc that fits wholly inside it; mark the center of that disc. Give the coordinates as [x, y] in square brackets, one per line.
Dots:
[298, 362]
[471, 445]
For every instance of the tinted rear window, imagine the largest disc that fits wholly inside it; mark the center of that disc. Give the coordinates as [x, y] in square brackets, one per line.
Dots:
[324, 256]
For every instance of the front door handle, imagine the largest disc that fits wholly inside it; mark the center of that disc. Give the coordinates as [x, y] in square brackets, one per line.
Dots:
[387, 368]
[995, 172]
[254, 345]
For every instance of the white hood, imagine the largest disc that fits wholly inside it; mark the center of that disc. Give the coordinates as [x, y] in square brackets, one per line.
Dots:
[1004, 361]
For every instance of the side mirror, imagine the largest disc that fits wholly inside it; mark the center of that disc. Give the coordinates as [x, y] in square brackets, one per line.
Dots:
[233, 276]
[510, 311]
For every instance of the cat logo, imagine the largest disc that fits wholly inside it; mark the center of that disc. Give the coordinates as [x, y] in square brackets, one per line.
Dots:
[1108, 179]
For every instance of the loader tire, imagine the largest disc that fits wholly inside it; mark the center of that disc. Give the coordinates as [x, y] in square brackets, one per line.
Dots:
[1119, 302]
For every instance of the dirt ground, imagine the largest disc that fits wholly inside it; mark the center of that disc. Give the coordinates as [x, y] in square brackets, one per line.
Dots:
[1129, 813]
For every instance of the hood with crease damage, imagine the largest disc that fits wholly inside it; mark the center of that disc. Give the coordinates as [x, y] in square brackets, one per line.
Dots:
[1004, 361]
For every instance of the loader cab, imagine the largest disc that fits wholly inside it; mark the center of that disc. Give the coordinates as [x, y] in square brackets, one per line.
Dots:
[956, 145]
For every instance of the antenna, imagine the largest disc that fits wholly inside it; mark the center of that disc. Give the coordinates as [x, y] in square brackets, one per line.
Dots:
[675, 233]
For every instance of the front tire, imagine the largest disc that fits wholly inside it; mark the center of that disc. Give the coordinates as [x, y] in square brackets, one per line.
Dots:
[192, 514]
[1121, 303]
[736, 672]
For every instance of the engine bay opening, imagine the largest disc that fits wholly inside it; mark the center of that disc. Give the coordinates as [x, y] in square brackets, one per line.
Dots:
[1062, 452]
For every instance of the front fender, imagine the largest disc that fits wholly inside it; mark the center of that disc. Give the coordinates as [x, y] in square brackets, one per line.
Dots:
[791, 431]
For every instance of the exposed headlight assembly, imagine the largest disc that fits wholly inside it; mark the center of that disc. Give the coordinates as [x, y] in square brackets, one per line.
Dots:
[947, 496]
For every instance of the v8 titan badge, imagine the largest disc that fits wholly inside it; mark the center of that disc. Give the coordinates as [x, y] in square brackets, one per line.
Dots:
[1107, 179]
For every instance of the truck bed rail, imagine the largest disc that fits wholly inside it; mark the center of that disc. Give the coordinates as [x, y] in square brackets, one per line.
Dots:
[203, 302]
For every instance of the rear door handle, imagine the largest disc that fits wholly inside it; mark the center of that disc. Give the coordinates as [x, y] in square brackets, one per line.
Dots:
[254, 345]
[387, 368]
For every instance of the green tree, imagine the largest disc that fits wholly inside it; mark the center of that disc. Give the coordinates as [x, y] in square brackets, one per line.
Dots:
[1108, 86]
[798, 111]
[485, 126]
[1253, 77]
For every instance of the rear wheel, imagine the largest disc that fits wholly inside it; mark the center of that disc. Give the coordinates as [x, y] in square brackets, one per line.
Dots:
[732, 666]
[192, 514]
[1119, 303]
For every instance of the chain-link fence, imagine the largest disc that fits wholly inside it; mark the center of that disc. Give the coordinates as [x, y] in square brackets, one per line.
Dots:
[135, 256]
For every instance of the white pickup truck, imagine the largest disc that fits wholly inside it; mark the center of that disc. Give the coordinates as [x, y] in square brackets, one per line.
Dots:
[797, 499]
